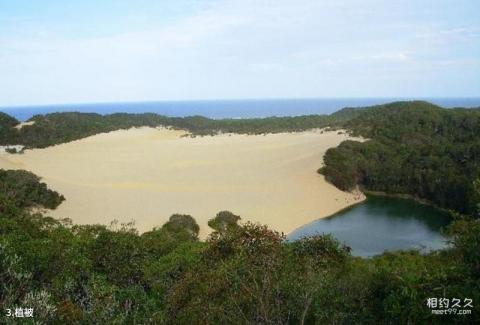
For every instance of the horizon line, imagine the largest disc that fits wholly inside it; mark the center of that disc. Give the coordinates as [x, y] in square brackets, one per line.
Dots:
[395, 98]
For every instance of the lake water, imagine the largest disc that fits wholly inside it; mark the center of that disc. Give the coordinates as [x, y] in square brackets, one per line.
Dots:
[230, 108]
[381, 224]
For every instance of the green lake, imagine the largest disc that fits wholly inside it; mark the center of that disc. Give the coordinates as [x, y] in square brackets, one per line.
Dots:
[382, 224]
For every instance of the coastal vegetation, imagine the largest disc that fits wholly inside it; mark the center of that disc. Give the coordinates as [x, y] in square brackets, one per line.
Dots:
[248, 273]
[24, 190]
[415, 148]
[243, 274]
[56, 128]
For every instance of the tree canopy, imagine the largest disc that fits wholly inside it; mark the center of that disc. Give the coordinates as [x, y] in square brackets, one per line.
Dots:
[414, 148]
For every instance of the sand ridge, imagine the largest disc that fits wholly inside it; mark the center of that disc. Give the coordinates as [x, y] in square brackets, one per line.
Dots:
[147, 174]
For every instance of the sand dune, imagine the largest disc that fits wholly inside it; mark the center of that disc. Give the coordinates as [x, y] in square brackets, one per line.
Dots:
[21, 125]
[148, 174]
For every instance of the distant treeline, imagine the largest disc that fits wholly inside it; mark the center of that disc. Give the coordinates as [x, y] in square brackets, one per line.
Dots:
[249, 274]
[59, 128]
[416, 148]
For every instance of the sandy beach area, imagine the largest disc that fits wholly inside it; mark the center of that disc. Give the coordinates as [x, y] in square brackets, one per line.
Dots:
[147, 174]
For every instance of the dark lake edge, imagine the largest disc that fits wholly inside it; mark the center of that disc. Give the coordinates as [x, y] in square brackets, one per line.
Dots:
[405, 197]
[372, 195]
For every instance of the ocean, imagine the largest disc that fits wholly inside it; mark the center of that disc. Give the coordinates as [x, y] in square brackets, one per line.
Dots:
[218, 109]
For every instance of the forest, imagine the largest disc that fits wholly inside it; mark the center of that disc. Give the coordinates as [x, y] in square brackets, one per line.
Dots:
[243, 274]
[415, 148]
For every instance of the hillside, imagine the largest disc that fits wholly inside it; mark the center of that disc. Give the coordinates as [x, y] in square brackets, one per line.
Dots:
[56, 128]
[416, 148]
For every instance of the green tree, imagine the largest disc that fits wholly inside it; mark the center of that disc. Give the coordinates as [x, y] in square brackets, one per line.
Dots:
[182, 222]
[223, 221]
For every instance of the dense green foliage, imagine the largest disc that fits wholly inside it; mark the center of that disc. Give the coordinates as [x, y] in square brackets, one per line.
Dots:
[58, 128]
[416, 148]
[7, 121]
[7, 131]
[182, 222]
[223, 221]
[24, 190]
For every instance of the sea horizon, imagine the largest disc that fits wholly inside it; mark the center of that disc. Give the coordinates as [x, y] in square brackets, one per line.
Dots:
[231, 108]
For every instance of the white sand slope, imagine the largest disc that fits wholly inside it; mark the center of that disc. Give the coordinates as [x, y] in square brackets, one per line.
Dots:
[19, 126]
[148, 174]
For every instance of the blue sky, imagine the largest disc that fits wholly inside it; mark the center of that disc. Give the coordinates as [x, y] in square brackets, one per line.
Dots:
[55, 51]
